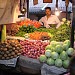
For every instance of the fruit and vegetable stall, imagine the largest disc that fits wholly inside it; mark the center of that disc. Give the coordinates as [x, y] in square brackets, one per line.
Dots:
[37, 48]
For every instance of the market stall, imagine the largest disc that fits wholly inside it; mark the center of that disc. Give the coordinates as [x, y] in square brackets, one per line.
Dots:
[31, 48]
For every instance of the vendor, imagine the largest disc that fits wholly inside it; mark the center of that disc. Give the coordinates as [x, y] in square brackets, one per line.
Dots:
[49, 19]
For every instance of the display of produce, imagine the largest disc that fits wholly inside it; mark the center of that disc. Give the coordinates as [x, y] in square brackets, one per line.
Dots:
[27, 29]
[20, 33]
[24, 30]
[63, 32]
[56, 55]
[10, 49]
[39, 36]
[49, 30]
[28, 22]
[58, 62]
[13, 29]
[48, 53]
[60, 34]
[50, 61]
[42, 58]
[70, 51]
[33, 48]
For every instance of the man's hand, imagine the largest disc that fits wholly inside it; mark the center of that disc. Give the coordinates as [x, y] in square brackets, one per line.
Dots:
[47, 26]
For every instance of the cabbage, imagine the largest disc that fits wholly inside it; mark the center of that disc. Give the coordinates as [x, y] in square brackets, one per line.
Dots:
[48, 53]
[65, 46]
[59, 43]
[67, 42]
[70, 51]
[48, 47]
[42, 58]
[54, 55]
[66, 63]
[58, 62]
[53, 43]
[50, 61]
[58, 49]
[52, 49]
[63, 55]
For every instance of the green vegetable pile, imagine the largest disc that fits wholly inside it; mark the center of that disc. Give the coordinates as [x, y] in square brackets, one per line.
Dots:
[49, 30]
[60, 34]
[63, 33]
[25, 29]
[21, 33]
[58, 54]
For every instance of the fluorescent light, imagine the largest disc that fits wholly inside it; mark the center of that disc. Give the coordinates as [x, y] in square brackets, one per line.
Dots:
[57, 13]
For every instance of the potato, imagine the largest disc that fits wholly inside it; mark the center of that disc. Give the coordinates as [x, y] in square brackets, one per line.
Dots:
[2, 53]
[20, 51]
[18, 54]
[10, 50]
[7, 45]
[3, 58]
[16, 51]
[18, 45]
[13, 53]
[7, 52]
[5, 55]
[1, 49]
[13, 48]
[2, 46]
[10, 47]
[5, 49]
[9, 55]
[15, 56]
[18, 48]
[0, 56]
[7, 58]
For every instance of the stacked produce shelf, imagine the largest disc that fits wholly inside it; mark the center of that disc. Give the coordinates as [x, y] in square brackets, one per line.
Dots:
[38, 44]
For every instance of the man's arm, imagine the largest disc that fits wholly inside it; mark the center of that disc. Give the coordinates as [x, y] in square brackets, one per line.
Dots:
[41, 21]
[58, 22]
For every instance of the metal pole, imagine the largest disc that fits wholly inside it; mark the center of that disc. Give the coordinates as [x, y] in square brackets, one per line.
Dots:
[66, 3]
[66, 13]
[27, 8]
[73, 24]
[56, 3]
[20, 5]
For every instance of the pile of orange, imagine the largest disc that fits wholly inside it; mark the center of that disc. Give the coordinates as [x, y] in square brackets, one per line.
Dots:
[37, 35]
[34, 23]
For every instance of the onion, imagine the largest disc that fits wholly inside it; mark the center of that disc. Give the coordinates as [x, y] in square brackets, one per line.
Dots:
[33, 49]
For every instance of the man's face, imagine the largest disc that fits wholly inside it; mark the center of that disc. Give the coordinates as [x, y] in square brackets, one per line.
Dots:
[48, 12]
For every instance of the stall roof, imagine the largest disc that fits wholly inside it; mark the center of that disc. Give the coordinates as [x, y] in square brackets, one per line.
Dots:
[40, 6]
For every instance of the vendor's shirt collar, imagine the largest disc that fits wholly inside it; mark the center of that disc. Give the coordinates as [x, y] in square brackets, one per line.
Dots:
[48, 18]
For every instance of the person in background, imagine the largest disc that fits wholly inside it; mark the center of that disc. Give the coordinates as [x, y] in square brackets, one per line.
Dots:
[71, 67]
[49, 19]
